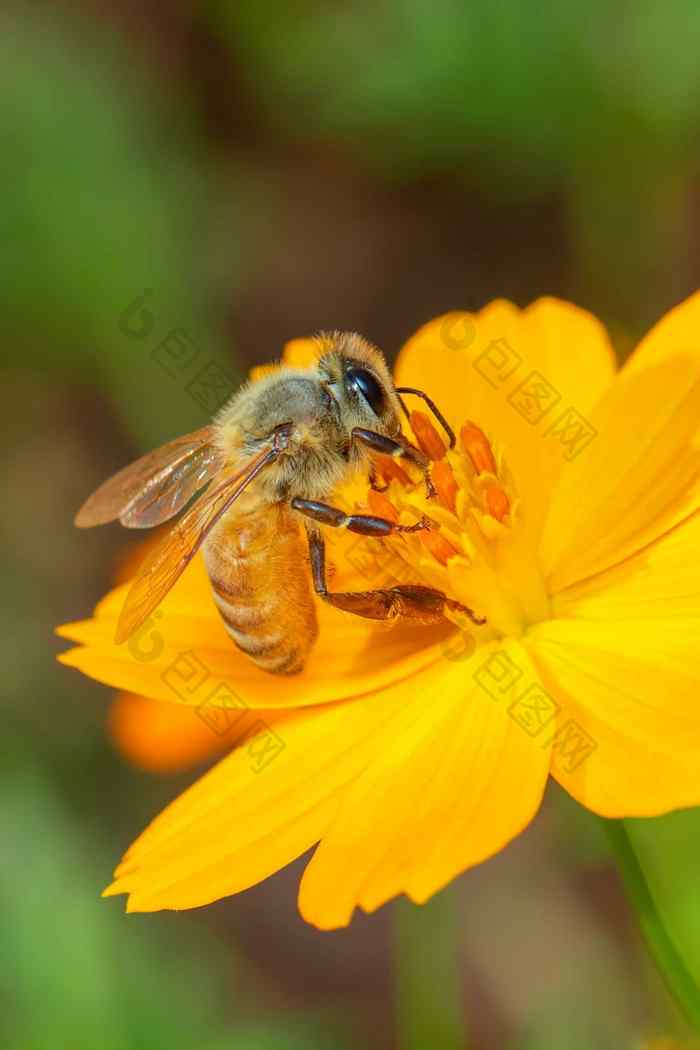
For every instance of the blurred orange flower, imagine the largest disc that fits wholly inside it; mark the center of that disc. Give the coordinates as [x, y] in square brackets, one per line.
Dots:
[566, 517]
[160, 737]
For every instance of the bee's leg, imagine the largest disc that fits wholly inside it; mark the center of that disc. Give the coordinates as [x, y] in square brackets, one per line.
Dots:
[397, 450]
[411, 602]
[365, 524]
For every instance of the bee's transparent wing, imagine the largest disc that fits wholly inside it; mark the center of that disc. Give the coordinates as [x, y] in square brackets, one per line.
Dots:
[154, 488]
[165, 565]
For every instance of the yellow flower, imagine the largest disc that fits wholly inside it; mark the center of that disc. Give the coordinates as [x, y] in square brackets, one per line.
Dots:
[566, 517]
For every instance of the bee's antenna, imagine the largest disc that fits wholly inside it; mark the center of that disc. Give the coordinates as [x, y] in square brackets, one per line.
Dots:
[433, 408]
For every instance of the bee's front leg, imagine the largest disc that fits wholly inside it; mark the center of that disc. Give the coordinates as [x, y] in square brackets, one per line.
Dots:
[397, 450]
[365, 524]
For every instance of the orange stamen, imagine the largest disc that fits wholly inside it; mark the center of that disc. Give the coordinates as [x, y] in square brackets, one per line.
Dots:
[497, 502]
[476, 445]
[440, 548]
[382, 506]
[427, 437]
[391, 471]
[444, 481]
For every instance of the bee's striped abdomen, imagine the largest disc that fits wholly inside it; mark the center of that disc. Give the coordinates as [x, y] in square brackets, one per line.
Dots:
[257, 566]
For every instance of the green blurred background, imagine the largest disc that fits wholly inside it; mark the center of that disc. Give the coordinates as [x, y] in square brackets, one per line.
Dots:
[259, 172]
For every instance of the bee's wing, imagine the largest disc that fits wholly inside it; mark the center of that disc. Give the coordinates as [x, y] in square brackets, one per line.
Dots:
[154, 488]
[164, 566]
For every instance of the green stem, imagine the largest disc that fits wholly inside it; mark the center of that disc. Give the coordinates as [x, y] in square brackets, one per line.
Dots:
[428, 993]
[677, 978]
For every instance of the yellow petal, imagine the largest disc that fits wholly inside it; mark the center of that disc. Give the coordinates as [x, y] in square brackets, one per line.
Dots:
[518, 374]
[183, 654]
[662, 580]
[640, 476]
[297, 353]
[644, 616]
[629, 729]
[258, 372]
[450, 788]
[301, 353]
[165, 738]
[240, 823]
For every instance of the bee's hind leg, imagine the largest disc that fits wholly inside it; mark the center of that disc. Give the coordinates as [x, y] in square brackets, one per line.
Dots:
[410, 602]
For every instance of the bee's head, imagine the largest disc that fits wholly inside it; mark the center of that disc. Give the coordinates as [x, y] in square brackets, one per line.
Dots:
[358, 378]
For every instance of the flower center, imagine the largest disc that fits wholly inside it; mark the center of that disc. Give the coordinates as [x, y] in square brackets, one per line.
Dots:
[476, 550]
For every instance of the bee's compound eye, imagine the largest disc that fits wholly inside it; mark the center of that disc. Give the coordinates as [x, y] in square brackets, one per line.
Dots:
[365, 383]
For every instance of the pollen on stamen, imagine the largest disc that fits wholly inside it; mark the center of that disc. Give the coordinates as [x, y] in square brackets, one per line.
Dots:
[445, 484]
[474, 504]
[391, 471]
[440, 547]
[478, 448]
[497, 502]
[382, 506]
[427, 437]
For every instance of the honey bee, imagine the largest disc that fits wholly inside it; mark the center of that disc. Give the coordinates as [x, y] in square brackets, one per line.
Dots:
[268, 463]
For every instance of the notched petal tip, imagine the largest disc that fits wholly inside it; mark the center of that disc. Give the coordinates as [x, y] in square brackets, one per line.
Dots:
[114, 889]
[67, 657]
[69, 630]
